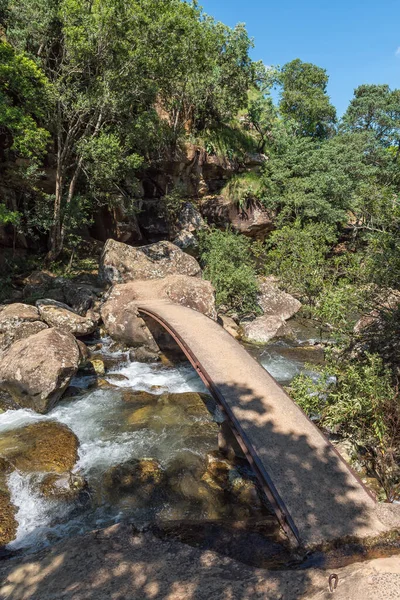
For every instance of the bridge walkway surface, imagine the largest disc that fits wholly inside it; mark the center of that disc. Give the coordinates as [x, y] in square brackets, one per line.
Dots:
[313, 490]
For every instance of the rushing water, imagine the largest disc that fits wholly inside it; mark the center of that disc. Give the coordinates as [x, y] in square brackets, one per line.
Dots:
[100, 418]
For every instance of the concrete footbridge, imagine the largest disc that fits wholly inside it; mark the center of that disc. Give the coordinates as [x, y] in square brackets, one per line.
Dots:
[314, 492]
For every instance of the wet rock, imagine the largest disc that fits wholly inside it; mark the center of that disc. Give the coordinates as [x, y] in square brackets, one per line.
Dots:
[245, 490]
[35, 371]
[62, 317]
[274, 302]
[230, 326]
[143, 355]
[8, 522]
[138, 397]
[98, 366]
[64, 486]
[46, 446]
[122, 321]
[117, 377]
[6, 402]
[140, 477]
[186, 461]
[84, 353]
[265, 328]
[120, 263]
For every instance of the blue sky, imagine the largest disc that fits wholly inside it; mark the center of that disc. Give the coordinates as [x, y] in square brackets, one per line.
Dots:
[355, 41]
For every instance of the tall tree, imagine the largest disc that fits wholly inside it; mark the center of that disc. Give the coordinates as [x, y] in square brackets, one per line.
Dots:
[375, 108]
[304, 99]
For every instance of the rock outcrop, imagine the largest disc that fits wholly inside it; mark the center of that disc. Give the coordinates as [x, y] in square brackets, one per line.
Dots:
[255, 221]
[61, 316]
[120, 263]
[37, 370]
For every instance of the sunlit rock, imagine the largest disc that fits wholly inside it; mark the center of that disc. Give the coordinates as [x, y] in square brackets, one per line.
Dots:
[37, 370]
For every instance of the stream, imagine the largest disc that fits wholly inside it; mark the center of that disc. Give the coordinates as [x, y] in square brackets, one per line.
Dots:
[195, 483]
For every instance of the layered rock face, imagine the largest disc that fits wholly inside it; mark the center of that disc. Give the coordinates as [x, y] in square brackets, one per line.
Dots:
[120, 263]
[255, 221]
[37, 370]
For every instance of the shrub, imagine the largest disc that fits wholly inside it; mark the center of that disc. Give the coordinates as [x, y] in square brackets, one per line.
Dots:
[358, 401]
[229, 266]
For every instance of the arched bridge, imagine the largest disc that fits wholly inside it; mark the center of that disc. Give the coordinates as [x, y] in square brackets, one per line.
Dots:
[314, 492]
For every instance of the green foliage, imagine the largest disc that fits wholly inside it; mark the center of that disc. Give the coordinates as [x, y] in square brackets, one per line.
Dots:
[298, 256]
[321, 181]
[375, 108]
[358, 401]
[172, 204]
[228, 140]
[305, 101]
[24, 98]
[242, 189]
[8, 216]
[228, 265]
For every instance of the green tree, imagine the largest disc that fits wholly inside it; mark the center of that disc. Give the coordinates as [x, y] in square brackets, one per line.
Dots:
[305, 101]
[298, 256]
[229, 266]
[310, 180]
[375, 108]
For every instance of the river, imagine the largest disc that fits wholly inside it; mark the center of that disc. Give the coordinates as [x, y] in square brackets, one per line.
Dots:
[101, 418]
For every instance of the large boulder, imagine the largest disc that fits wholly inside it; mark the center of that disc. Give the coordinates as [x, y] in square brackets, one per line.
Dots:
[122, 321]
[194, 293]
[121, 263]
[263, 329]
[274, 302]
[61, 316]
[18, 321]
[37, 370]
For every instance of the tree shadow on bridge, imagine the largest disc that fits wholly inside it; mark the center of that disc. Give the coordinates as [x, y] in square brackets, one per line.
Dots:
[317, 477]
[114, 564]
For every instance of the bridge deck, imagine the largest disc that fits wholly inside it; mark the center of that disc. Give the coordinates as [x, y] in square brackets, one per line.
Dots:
[308, 478]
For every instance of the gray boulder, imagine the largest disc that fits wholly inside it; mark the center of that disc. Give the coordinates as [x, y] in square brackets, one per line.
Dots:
[263, 329]
[120, 263]
[275, 302]
[18, 321]
[35, 371]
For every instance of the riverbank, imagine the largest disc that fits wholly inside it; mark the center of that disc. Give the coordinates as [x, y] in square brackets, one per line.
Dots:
[118, 564]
